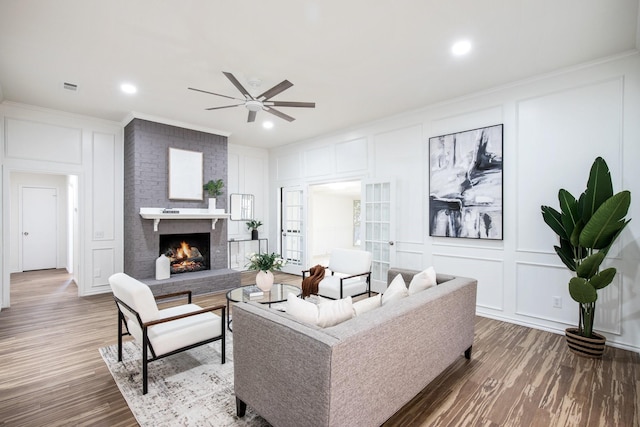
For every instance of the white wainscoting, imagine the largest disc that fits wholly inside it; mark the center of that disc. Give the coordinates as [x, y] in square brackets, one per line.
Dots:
[26, 139]
[488, 272]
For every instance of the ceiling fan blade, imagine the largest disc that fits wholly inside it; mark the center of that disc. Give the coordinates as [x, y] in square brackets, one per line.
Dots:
[280, 87]
[252, 116]
[279, 114]
[237, 84]
[213, 93]
[226, 106]
[291, 104]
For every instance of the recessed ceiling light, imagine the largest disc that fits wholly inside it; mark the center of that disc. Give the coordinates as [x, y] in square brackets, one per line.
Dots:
[128, 88]
[461, 47]
[267, 124]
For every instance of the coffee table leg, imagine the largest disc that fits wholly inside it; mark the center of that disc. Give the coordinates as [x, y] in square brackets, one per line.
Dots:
[228, 315]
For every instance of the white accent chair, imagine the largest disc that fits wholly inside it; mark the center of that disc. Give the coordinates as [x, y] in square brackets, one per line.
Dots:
[350, 274]
[162, 332]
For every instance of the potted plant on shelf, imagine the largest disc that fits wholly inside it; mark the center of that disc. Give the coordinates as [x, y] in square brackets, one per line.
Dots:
[265, 264]
[214, 189]
[253, 226]
[587, 227]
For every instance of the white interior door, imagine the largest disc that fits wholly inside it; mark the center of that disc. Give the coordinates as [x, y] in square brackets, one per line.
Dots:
[379, 230]
[39, 228]
[292, 239]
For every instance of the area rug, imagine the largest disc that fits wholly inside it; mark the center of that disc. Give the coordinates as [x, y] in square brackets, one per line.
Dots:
[190, 388]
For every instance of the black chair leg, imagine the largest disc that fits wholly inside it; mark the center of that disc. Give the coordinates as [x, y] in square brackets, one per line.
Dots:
[241, 407]
[467, 353]
[119, 336]
[145, 362]
[224, 341]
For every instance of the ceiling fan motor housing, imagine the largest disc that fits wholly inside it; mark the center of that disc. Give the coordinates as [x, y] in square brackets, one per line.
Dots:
[253, 105]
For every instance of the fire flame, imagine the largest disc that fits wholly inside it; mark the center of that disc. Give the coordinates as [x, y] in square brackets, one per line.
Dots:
[184, 251]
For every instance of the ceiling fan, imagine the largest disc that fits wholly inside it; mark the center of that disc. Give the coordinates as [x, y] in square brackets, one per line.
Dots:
[260, 102]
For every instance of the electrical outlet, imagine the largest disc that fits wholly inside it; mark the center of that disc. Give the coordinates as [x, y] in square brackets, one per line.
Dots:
[97, 272]
[557, 302]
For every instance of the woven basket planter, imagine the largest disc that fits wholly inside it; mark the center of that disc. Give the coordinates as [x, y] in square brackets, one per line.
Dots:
[585, 347]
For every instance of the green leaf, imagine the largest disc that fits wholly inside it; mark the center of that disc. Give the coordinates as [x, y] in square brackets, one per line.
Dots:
[581, 291]
[606, 222]
[604, 278]
[569, 210]
[599, 188]
[607, 246]
[565, 252]
[589, 267]
[553, 219]
[575, 235]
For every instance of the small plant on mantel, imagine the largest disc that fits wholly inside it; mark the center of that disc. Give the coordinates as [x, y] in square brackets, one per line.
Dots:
[214, 187]
[587, 227]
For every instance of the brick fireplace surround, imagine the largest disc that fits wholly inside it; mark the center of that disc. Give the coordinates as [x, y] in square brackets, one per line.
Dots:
[146, 186]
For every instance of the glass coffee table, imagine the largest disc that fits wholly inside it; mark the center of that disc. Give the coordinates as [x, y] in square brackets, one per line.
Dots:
[278, 293]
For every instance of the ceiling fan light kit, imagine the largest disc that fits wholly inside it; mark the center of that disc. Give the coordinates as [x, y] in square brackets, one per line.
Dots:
[260, 102]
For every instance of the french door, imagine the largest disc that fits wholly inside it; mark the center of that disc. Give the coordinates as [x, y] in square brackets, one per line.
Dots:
[379, 230]
[292, 236]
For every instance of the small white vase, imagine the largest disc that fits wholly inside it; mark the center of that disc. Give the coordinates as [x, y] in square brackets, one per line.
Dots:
[212, 204]
[163, 268]
[264, 280]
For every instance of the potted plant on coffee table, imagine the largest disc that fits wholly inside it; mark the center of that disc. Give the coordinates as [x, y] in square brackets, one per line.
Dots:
[587, 227]
[213, 189]
[265, 264]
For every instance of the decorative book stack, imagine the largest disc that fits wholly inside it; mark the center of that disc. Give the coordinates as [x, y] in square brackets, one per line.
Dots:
[253, 292]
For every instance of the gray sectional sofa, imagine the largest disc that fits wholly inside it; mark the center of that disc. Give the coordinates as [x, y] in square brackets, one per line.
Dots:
[359, 372]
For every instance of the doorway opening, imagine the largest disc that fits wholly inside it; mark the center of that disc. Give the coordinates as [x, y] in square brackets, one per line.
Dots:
[43, 223]
[334, 219]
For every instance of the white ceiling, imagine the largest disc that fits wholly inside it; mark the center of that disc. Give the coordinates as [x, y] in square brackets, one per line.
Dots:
[359, 60]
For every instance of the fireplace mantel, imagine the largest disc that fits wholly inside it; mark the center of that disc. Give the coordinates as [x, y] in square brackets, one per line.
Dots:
[156, 214]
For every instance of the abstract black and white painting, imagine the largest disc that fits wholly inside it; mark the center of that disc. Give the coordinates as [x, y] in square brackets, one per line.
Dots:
[465, 184]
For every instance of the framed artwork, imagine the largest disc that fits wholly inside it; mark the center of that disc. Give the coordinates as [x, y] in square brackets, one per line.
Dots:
[465, 184]
[185, 174]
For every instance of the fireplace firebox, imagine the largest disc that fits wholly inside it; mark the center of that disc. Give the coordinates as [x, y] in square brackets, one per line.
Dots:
[186, 252]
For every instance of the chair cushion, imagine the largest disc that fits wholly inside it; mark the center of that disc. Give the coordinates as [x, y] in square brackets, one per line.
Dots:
[349, 261]
[136, 295]
[397, 290]
[423, 280]
[166, 337]
[330, 286]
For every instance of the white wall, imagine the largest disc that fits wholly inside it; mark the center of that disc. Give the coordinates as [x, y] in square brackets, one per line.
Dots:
[17, 181]
[40, 141]
[554, 127]
[248, 174]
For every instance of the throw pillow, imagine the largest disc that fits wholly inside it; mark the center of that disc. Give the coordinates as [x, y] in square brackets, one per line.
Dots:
[332, 312]
[397, 290]
[367, 304]
[423, 280]
[302, 310]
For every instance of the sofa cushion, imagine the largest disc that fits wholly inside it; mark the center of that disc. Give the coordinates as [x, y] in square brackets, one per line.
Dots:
[324, 314]
[397, 290]
[367, 304]
[423, 280]
[332, 312]
[302, 310]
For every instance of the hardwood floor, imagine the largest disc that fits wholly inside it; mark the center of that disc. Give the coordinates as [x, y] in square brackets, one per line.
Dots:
[52, 374]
